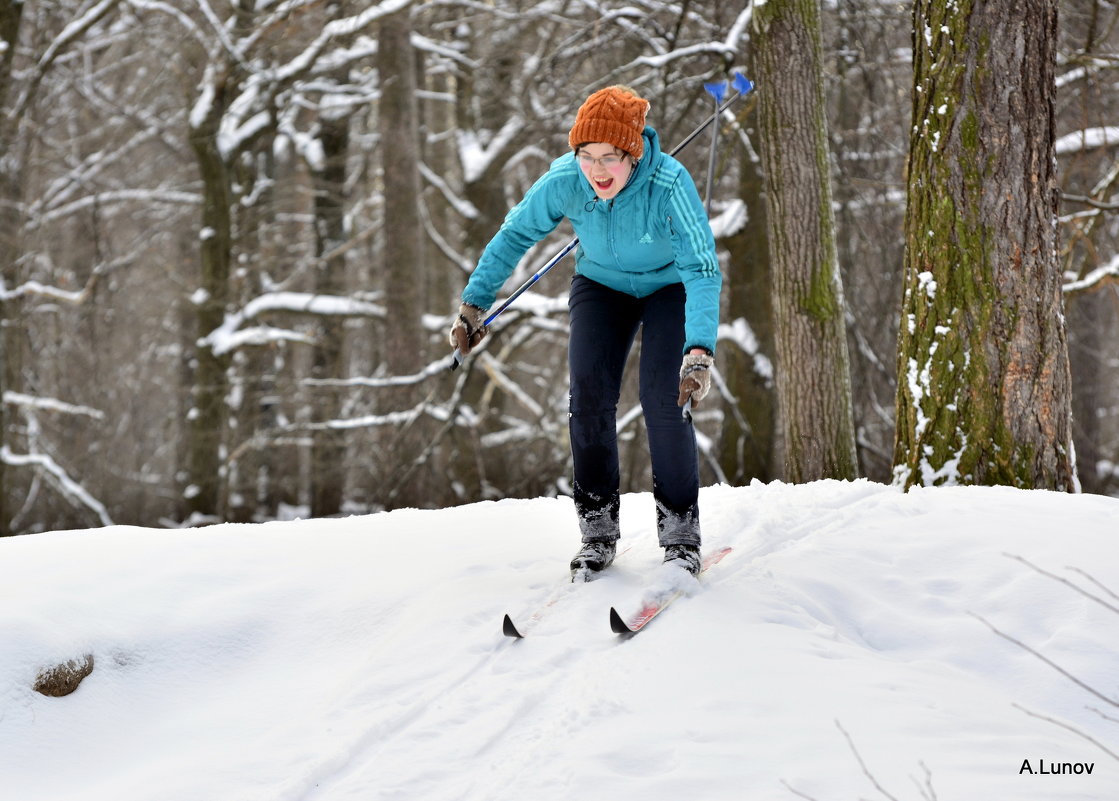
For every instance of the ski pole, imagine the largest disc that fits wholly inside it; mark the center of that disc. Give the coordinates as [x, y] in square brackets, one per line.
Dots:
[457, 357]
[717, 91]
[742, 86]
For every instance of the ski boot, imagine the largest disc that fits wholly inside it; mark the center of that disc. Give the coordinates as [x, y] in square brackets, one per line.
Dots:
[685, 556]
[593, 557]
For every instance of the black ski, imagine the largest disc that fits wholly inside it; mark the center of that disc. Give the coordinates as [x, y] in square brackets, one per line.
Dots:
[511, 629]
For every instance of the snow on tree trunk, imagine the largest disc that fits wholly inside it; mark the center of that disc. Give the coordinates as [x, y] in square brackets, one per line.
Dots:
[251, 474]
[812, 374]
[984, 390]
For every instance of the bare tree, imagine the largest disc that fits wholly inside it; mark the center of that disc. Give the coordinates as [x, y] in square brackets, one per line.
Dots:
[104, 240]
[1085, 108]
[10, 14]
[813, 373]
[867, 88]
[328, 450]
[35, 47]
[749, 446]
[247, 79]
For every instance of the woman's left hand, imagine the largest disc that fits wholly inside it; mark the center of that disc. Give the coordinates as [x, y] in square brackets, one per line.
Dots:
[695, 377]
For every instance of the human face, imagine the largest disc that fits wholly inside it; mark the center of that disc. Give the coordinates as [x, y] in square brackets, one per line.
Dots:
[605, 167]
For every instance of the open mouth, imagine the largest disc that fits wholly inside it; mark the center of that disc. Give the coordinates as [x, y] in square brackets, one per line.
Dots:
[603, 183]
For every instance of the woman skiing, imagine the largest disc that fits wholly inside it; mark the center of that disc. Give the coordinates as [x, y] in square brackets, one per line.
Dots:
[646, 259]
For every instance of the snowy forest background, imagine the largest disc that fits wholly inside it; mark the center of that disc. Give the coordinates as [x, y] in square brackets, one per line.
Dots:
[232, 236]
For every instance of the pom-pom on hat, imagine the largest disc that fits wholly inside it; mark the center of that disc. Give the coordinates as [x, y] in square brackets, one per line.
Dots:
[614, 115]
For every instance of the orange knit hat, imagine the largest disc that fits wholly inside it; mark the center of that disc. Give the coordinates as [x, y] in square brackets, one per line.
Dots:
[614, 115]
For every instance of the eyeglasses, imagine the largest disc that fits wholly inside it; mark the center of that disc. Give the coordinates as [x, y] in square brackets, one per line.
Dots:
[608, 162]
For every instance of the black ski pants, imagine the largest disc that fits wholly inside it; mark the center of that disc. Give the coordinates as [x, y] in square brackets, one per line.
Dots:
[604, 324]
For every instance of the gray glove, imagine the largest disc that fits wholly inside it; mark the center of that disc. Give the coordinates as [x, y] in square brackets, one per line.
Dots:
[468, 329]
[695, 378]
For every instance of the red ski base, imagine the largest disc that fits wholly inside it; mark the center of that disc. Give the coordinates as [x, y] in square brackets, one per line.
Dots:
[653, 607]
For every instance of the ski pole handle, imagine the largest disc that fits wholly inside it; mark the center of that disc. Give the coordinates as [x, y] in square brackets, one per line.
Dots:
[742, 87]
[687, 413]
[457, 358]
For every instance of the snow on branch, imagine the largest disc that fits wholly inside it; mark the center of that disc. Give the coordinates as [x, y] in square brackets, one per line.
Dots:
[476, 158]
[229, 336]
[663, 60]
[738, 29]
[75, 28]
[243, 120]
[338, 29]
[1094, 280]
[521, 432]
[1089, 66]
[1090, 201]
[308, 146]
[337, 59]
[373, 420]
[438, 367]
[70, 34]
[441, 49]
[250, 112]
[151, 197]
[461, 205]
[730, 220]
[534, 304]
[74, 491]
[34, 288]
[171, 11]
[219, 28]
[742, 335]
[258, 336]
[624, 17]
[1087, 139]
[20, 400]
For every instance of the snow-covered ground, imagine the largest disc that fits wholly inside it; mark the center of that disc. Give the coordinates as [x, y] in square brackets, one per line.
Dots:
[363, 658]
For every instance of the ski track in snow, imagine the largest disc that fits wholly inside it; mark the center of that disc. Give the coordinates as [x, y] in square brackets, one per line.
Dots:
[298, 662]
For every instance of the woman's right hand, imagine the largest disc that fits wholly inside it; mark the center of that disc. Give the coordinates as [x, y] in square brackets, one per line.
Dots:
[468, 329]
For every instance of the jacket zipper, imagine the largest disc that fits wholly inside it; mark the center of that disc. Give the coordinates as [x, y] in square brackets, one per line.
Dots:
[611, 237]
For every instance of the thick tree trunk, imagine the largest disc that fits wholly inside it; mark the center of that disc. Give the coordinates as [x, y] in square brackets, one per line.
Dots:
[250, 469]
[747, 446]
[205, 469]
[813, 376]
[404, 340]
[328, 449]
[984, 391]
[11, 13]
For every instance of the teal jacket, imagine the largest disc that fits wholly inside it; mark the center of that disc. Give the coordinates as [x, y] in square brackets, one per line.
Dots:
[651, 234]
